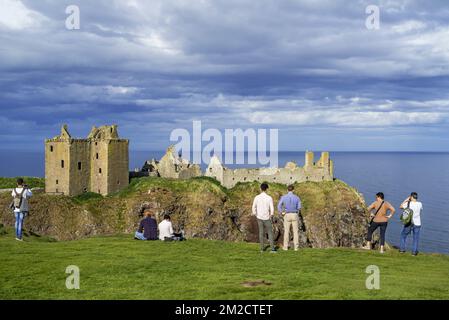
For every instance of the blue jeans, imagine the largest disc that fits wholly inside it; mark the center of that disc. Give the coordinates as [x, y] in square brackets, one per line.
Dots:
[139, 235]
[404, 234]
[19, 223]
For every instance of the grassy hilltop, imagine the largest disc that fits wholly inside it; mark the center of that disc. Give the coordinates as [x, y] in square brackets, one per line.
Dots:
[118, 267]
[114, 266]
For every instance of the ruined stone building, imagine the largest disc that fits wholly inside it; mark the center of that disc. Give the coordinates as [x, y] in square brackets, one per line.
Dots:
[99, 163]
[170, 165]
[323, 170]
[175, 167]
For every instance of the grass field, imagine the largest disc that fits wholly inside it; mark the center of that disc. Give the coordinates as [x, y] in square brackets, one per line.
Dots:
[118, 267]
[7, 183]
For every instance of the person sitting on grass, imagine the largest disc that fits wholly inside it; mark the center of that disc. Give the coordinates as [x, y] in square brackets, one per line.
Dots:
[147, 228]
[166, 232]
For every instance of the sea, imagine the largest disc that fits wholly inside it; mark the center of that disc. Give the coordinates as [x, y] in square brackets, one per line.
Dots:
[396, 174]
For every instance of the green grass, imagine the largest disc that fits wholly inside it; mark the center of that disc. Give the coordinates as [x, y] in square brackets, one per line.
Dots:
[33, 182]
[118, 267]
[86, 197]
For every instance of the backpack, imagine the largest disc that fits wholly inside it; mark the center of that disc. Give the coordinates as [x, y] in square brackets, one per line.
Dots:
[18, 198]
[407, 215]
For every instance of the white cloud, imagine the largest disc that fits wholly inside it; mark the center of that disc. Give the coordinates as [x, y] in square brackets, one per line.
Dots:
[15, 15]
[347, 118]
[118, 90]
[408, 26]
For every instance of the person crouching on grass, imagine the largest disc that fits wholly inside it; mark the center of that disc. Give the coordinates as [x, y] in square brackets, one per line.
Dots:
[147, 227]
[379, 220]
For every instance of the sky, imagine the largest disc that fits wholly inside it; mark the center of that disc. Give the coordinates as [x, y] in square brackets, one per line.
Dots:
[311, 69]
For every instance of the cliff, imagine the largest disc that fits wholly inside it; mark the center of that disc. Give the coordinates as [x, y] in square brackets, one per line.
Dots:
[333, 215]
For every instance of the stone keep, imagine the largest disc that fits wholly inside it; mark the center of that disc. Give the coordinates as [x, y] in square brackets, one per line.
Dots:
[97, 164]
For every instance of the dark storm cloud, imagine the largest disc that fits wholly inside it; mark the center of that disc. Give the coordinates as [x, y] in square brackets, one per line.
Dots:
[310, 68]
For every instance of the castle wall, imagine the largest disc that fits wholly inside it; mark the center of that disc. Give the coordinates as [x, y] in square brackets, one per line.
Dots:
[174, 167]
[190, 172]
[215, 170]
[309, 157]
[167, 167]
[118, 165]
[281, 175]
[99, 166]
[57, 178]
[79, 167]
[322, 171]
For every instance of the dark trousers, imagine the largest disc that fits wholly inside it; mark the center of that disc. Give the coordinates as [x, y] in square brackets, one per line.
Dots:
[373, 226]
[175, 237]
[265, 226]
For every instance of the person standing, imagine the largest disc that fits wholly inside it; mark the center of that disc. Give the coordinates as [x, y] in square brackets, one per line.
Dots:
[289, 206]
[263, 209]
[147, 227]
[20, 205]
[379, 220]
[414, 225]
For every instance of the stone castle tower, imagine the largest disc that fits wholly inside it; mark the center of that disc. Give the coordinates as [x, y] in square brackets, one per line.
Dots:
[97, 164]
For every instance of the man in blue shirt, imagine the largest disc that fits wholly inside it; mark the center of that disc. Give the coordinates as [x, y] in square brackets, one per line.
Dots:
[289, 206]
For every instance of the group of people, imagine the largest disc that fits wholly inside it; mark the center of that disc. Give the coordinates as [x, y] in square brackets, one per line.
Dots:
[150, 230]
[289, 207]
[382, 211]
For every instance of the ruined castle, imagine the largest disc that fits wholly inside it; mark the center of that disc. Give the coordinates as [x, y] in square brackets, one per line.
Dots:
[173, 166]
[170, 166]
[323, 170]
[100, 164]
[97, 164]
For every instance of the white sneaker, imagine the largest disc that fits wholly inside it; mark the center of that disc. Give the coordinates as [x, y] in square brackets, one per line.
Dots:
[19, 239]
[296, 249]
[285, 249]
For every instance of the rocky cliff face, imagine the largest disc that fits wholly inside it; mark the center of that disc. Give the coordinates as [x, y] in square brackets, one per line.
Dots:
[333, 213]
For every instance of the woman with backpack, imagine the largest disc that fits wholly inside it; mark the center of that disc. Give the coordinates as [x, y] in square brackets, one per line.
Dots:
[412, 222]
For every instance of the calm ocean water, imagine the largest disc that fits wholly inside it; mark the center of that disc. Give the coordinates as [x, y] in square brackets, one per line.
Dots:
[394, 173]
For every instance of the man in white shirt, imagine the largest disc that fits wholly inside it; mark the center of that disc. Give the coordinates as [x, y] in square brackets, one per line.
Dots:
[166, 229]
[21, 194]
[263, 209]
[414, 226]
